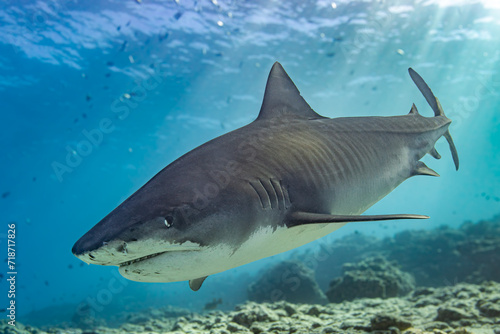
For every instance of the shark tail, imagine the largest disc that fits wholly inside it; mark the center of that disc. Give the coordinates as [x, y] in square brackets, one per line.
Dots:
[436, 107]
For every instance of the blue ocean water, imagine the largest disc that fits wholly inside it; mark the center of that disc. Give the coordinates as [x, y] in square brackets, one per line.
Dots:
[97, 97]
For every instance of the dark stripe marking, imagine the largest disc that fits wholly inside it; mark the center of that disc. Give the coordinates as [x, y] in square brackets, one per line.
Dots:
[271, 193]
[286, 198]
[254, 187]
[279, 194]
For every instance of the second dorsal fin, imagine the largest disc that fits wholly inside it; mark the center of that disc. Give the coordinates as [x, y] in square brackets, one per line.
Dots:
[414, 110]
[283, 99]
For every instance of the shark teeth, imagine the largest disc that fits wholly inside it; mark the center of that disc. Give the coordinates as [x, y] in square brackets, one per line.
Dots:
[127, 263]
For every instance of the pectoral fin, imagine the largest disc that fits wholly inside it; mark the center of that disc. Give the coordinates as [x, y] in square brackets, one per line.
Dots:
[195, 284]
[303, 218]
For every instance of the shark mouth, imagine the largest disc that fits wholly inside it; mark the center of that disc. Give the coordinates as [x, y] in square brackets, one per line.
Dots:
[122, 254]
[192, 247]
[127, 263]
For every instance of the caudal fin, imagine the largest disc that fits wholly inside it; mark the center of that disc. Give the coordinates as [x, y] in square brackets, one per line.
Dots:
[436, 107]
[453, 149]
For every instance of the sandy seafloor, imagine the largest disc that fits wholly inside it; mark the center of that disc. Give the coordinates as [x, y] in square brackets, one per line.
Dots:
[462, 308]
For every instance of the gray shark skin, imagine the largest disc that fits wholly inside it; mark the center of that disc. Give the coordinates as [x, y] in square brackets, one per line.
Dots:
[286, 179]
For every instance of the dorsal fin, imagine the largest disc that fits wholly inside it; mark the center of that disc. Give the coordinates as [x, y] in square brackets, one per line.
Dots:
[282, 98]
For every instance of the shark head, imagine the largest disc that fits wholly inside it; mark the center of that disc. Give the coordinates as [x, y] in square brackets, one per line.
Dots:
[172, 215]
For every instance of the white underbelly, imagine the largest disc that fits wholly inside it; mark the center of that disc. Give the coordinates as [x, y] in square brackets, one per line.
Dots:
[185, 265]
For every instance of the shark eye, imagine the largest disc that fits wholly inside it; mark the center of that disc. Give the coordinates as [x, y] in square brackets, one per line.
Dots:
[169, 221]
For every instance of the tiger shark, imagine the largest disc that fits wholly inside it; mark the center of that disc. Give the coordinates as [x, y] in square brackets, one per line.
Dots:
[286, 179]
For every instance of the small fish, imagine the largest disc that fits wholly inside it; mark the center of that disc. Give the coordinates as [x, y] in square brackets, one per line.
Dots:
[124, 45]
[6, 194]
[213, 304]
[163, 36]
[178, 15]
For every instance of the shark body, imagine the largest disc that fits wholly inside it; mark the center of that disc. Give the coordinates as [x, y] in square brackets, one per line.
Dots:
[286, 179]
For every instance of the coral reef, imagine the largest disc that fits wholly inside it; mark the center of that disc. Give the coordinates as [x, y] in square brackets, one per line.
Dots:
[444, 255]
[437, 257]
[290, 281]
[459, 309]
[374, 277]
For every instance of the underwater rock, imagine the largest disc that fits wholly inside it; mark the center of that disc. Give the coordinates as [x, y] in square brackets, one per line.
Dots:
[235, 328]
[327, 260]
[252, 312]
[449, 314]
[385, 322]
[490, 307]
[373, 278]
[158, 313]
[290, 281]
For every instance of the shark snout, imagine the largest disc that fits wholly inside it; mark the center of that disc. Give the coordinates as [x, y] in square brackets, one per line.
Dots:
[87, 243]
[89, 247]
[107, 253]
[103, 245]
[107, 243]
